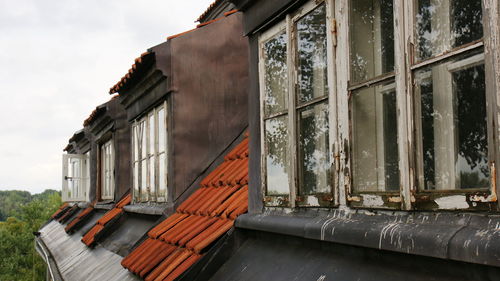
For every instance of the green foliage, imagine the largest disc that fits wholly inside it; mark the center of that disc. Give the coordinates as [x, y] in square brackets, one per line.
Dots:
[18, 258]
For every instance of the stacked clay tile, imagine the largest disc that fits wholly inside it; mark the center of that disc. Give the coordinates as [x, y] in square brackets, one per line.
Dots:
[64, 207]
[81, 216]
[90, 237]
[179, 241]
[68, 213]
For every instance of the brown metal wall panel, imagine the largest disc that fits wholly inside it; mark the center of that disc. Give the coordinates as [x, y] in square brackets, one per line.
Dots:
[210, 82]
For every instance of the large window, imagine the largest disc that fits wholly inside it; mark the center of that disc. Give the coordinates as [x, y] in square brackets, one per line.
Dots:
[397, 109]
[149, 138]
[76, 177]
[295, 110]
[107, 171]
[427, 138]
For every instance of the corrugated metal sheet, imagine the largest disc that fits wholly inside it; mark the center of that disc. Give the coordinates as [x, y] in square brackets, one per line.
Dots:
[78, 262]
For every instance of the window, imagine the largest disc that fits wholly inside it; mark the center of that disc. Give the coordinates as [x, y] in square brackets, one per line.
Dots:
[450, 97]
[149, 138]
[76, 177]
[415, 142]
[295, 110]
[107, 170]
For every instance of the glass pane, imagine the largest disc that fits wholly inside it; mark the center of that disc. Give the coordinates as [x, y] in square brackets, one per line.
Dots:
[144, 143]
[144, 177]
[375, 139]
[446, 24]
[152, 182]
[151, 130]
[275, 74]
[135, 140]
[162, 131]
[314, 157]
[371, 38]
[454, 125]
[162, 177]
[312, 59]
[277, 163]
[136, 182]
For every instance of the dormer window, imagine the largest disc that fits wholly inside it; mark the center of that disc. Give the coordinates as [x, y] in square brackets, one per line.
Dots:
[149, 142]
[107, 170]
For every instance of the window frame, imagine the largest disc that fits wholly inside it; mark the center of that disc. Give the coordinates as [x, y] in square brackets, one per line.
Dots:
[294, 199]
[153, 190]
[109, 194]
[404, 37]
[84, 187]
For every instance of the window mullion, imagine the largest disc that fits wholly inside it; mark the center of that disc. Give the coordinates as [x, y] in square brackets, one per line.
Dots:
[491, 21]
[403, 91]
[342, 81]
[292, 123]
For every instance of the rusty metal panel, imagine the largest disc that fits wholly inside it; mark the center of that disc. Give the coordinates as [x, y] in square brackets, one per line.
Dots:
[209, 102]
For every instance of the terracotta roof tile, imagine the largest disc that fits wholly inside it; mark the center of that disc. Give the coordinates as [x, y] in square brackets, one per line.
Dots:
[198, 222]
[140, 64]
[68, 213]
[64, 207]
[72, 225]
[112, 215]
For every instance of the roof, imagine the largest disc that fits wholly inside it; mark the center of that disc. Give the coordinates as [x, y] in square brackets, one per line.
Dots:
[73, 224]
[75, 261]
[210, 8]
[141, 63]
[226, 14]
[68, 213]
[182, 239]
[92, 236]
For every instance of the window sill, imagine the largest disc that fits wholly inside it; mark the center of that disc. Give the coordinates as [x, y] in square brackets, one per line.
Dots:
[147, 209]
[104, 206]
[456, 236]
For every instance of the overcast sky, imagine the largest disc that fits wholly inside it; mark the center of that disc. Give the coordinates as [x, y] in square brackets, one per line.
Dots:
[58, 60]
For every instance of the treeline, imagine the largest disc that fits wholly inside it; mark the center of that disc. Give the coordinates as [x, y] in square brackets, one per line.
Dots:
[21, 214]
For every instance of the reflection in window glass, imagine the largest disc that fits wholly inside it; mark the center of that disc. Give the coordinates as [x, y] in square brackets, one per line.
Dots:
[162, 131]
[277, 164]
[446, 24]
[375, 153]
[162, 187]
[311, 55]
[453, 125]
[314, 159]
[276, 77]
[371, 38]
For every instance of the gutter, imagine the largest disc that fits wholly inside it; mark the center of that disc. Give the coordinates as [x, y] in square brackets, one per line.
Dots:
[42, 250]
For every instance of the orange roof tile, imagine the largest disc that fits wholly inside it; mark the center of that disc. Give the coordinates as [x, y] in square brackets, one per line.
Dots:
[140, 63]
[81, 216]
[112, 215]
[64, 207]
[198, 222]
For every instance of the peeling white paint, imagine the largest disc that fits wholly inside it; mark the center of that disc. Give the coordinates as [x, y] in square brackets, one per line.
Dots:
[312, 201]
[370, 200]
[452, 202]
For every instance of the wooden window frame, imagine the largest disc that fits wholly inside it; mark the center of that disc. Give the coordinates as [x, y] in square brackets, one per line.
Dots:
[153, 193]
[84, 179]
[410, 197]
[293, 199]
[106, 192]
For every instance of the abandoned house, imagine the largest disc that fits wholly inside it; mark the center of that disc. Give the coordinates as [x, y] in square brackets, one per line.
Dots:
[294, 140]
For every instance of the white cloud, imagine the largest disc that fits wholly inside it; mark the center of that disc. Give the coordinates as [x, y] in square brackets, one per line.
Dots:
[57, 61]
